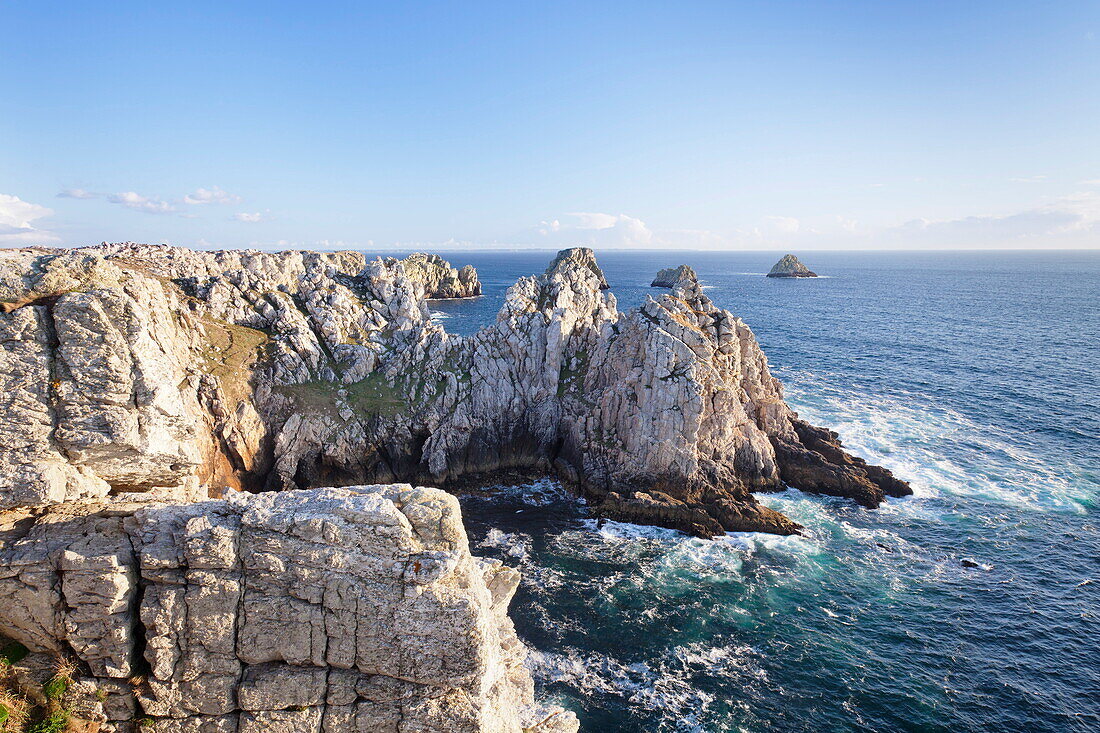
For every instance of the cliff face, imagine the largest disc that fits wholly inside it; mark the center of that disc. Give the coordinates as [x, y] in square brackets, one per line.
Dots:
[332, 610]
[161, 369]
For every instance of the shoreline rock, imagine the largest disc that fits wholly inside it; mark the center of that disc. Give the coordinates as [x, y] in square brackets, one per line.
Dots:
[790, 266]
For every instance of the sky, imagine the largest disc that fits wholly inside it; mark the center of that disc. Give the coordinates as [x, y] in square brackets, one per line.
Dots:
[425, 125]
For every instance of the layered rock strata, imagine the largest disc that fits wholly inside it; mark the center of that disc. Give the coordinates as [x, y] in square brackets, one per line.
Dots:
[137, 368]
[790, 266]
[670, 277]
[323, 611]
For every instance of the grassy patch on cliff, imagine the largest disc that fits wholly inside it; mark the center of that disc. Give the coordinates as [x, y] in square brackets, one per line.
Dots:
[572, 372]
[371, 397]
[228, 354]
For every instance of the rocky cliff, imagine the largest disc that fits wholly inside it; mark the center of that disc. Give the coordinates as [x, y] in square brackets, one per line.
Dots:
[159, 369]
[324, 611]
[139, 384]
[790, 266]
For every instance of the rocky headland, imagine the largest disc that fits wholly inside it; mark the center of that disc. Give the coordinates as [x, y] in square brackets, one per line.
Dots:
[790, 266]
[141, 384]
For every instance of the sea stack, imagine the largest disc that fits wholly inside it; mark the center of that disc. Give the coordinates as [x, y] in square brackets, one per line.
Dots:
[790, 266]
[670, 277]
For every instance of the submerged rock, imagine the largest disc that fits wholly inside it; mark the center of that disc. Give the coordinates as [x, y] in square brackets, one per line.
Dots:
[790, 266]
[670, 277]
[356, 609]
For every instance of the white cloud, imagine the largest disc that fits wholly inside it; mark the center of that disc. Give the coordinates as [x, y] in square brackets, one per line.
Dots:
[249, 218]
[616, 231]
[136, 201]
[595, 229]
[77, 193]
[1072, 220]
[1028, 179]
[1091, 182]
[17, 219]
[782, 224]
[212, 195]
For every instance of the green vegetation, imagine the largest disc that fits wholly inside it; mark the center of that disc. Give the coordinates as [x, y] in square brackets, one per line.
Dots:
[572, 372]
[56, 687]
[373, 396]
[55, 722]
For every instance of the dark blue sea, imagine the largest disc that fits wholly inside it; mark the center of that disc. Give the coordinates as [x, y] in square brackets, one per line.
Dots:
[972, 606]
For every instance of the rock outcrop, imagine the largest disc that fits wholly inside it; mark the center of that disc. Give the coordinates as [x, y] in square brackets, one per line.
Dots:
[670, 277]
[790, 266]
[440, 280]
[135, 368]
[331, 610]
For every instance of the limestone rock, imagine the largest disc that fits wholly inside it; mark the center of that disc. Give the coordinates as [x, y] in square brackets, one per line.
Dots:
[324, 610]
[790, 266]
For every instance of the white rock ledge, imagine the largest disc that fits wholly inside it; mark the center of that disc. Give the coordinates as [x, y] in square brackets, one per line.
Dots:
[324, 610]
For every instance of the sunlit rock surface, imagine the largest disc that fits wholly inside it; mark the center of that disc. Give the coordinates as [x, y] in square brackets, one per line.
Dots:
[352, 609]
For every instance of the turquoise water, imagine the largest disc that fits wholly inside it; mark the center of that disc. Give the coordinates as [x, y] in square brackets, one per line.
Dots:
[973, 605]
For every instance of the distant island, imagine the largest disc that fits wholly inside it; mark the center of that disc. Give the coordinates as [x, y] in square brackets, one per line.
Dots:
[790, 266]
[670, 277]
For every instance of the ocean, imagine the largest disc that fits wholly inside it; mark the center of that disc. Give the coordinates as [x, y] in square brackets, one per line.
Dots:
[973, 605]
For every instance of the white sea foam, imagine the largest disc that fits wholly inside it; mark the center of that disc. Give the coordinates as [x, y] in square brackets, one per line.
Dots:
[540, 492]
[908, 435]
[667, 684]
[625, 531]
[753, 542]
[514, 545]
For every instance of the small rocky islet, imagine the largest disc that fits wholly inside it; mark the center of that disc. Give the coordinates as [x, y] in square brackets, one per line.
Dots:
[175, 422]
[790, 266]
[670, 277]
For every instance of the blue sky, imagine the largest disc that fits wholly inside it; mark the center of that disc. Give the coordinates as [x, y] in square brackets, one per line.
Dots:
[762, 125]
